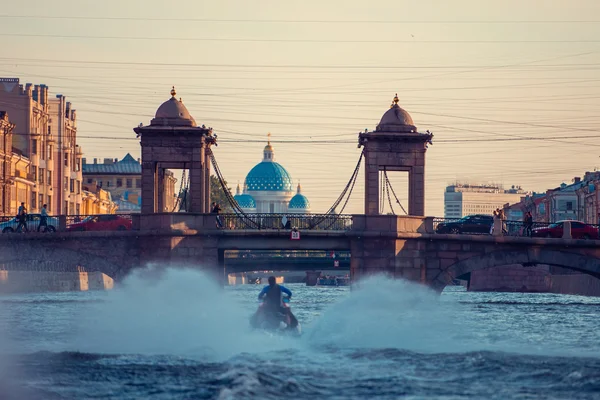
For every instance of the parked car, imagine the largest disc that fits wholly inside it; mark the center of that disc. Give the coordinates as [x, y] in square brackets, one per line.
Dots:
[105, 222]
[477, 223]
[579, 230]
[33, 222]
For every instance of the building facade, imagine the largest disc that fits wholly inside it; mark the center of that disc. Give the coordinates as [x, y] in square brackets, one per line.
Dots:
[123, 180]
[96, 200]
[465, 199]
[66, 155]
[268, 189]
[45, 134]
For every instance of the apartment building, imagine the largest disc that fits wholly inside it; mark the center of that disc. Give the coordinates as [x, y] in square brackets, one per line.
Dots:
[465, 199]
[45, 135]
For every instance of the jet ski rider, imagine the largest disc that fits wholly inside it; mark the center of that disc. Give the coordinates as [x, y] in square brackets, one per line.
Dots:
[273, 295]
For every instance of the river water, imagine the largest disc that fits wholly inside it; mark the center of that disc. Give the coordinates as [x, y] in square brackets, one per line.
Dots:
[176, 335]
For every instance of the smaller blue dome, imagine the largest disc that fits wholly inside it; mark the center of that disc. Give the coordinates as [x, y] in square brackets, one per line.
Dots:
[245, 200]
[299, 201]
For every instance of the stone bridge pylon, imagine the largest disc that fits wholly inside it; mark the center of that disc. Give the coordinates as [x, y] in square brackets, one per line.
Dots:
[395, 145]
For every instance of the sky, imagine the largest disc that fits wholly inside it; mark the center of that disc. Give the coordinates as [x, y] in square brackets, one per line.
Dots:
[510, 89]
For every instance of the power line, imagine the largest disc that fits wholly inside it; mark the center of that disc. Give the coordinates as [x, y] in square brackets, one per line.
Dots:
[247, 40]
[300, 21]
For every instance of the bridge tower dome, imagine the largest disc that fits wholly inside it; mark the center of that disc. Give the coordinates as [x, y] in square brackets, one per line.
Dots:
[173, 140]
[395, 145]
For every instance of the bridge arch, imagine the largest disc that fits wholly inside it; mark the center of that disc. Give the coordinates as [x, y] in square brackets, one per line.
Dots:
[24, 257]
[574, 261]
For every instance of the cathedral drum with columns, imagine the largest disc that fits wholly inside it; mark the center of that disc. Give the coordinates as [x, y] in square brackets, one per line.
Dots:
[268, 189]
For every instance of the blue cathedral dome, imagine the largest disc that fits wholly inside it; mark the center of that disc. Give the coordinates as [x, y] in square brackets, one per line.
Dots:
[269, 175]
[245, 200]
[299, 201]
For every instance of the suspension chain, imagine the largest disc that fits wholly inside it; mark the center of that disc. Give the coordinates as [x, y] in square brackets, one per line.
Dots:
[393, 192]
[234, 204]
[387, 190]
[178, 202]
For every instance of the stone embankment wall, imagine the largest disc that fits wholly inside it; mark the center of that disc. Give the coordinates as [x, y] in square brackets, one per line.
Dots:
[581, 284]
[511, 278]
[516, 278]
[37, 281]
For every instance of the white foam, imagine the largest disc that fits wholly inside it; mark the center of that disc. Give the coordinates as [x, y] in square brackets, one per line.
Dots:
[175, 311]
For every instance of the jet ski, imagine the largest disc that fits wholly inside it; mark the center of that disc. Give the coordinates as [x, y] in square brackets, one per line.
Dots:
[281, 321]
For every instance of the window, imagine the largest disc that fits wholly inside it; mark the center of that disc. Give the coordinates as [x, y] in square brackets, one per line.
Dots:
[138, 183]
[66, 160]
[569, 206]
[34, 146]
[41, 175]
[41, 200]
[50, 150]
[49, 203]
[129, 183]
[107, 183]
[119, 182]
[34, 173]
[77, 209]
[65, 184]
[49, 180]
[43, 151]
[78, 186]
[89, 180]
[33, 200]
[72, 185]
[49, 130]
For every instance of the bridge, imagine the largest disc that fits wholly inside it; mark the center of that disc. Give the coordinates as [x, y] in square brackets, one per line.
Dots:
[400, 246]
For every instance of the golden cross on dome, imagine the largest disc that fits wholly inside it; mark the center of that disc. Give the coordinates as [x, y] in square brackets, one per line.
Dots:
[173, 92]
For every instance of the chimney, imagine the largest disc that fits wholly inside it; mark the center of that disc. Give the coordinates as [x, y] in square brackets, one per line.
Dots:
[83, 160]
[139, 160]
[116, 160]
[36, 93]
[108, 161]
[28, 89]
[43, 94]
[576, 179]
[95, 161]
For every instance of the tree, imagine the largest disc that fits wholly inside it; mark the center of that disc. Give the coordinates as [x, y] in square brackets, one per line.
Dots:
[216, 194]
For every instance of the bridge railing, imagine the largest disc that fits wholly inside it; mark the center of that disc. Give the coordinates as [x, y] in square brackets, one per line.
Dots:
[285, 254]
[341, 222]
[10, 224]
[516, 228]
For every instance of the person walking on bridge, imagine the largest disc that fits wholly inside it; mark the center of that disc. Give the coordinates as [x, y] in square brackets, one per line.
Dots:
[528, 224]
[216, 209]
[43, 218]
[22, 218]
